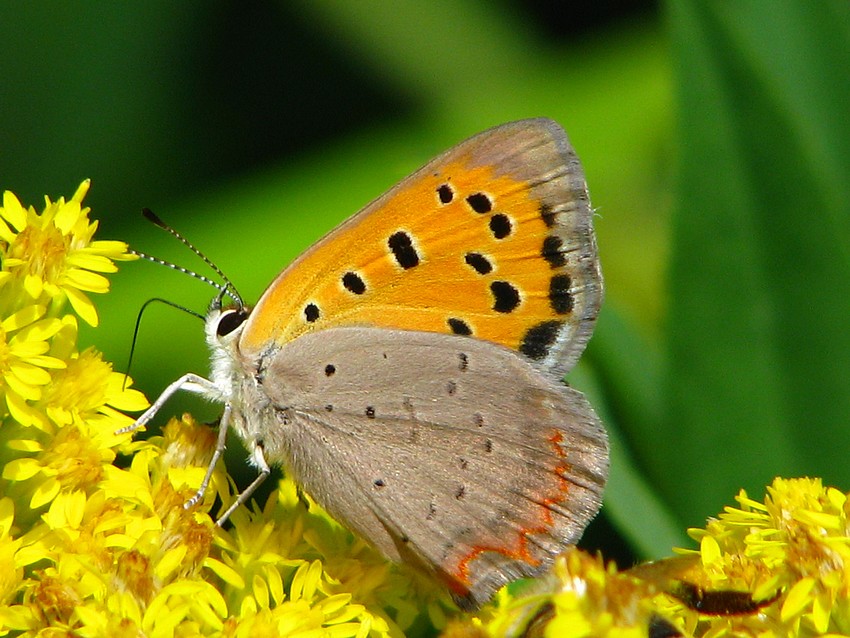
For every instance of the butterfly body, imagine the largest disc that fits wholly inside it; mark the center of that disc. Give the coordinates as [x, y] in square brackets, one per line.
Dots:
[407, 368]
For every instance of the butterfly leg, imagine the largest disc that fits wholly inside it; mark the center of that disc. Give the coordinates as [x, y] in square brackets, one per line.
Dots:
[263, 466]
[224, 424]
[189, 382]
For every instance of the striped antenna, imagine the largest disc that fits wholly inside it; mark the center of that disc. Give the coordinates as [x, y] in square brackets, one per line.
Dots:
[227, 289]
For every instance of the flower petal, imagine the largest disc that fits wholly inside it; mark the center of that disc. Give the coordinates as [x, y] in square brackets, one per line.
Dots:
[129, 401]
[23, 317]
[24, 445]
[797, 599]
[89, 261]
[13, 212]
[82, 191]
[21, 389]
[25, 349]
[29, 374]
[67, 216]
[85, 280]
[226, 573]
[7, 515]
[33, 284]
[6, 233]
[17, 617]
[113, 249]
[169, 562]
[45, 492]
[20, 411]
[82, 305]
[21, 469]
[47, 362]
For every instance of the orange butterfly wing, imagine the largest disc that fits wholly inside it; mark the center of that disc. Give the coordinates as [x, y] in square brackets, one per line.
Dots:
[491, 239]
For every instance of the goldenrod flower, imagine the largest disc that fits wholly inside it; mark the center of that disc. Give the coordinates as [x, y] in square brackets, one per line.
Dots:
[88, 390]
[11, 574]
[71, 447]
[24, 362]
[793, 549]
[579, 597]
[51, 256]
[292, 538]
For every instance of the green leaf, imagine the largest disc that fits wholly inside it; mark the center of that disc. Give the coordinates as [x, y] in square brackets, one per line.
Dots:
[627, 396]
[758, 339]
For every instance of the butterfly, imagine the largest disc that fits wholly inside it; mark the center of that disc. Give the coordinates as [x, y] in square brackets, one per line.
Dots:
[407, 368]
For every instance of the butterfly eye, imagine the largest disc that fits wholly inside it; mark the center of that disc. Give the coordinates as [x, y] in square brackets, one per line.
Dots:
[230, 320]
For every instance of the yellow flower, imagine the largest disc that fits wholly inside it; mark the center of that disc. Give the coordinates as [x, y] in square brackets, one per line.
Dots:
[71, 460]
[348, 586]
[11, 574]
[579, 597]
[77, 417]
[24, 362]
[87, 390]
[51, 256]
[792, 550]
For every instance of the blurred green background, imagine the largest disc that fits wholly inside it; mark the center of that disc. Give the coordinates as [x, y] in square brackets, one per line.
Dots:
[714, 135]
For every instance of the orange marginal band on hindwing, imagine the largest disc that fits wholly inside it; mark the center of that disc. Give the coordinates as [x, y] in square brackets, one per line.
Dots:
[520, 550]
[498, 229]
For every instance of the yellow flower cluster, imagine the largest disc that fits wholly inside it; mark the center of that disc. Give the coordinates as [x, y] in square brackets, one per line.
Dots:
[790, 552]
[764, 569]
[91, 547]
[580, 597]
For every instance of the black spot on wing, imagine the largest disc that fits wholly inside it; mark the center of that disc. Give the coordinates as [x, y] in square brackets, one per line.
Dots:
[459, 326]
[539, 339]
[548, 215]
[353, 283]
[500, 226]
[480, 203]
[560, 297]
[505, 296]
[445, 193]
[552, 252]
[479, 263]
[311, 312]
[405, 254]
